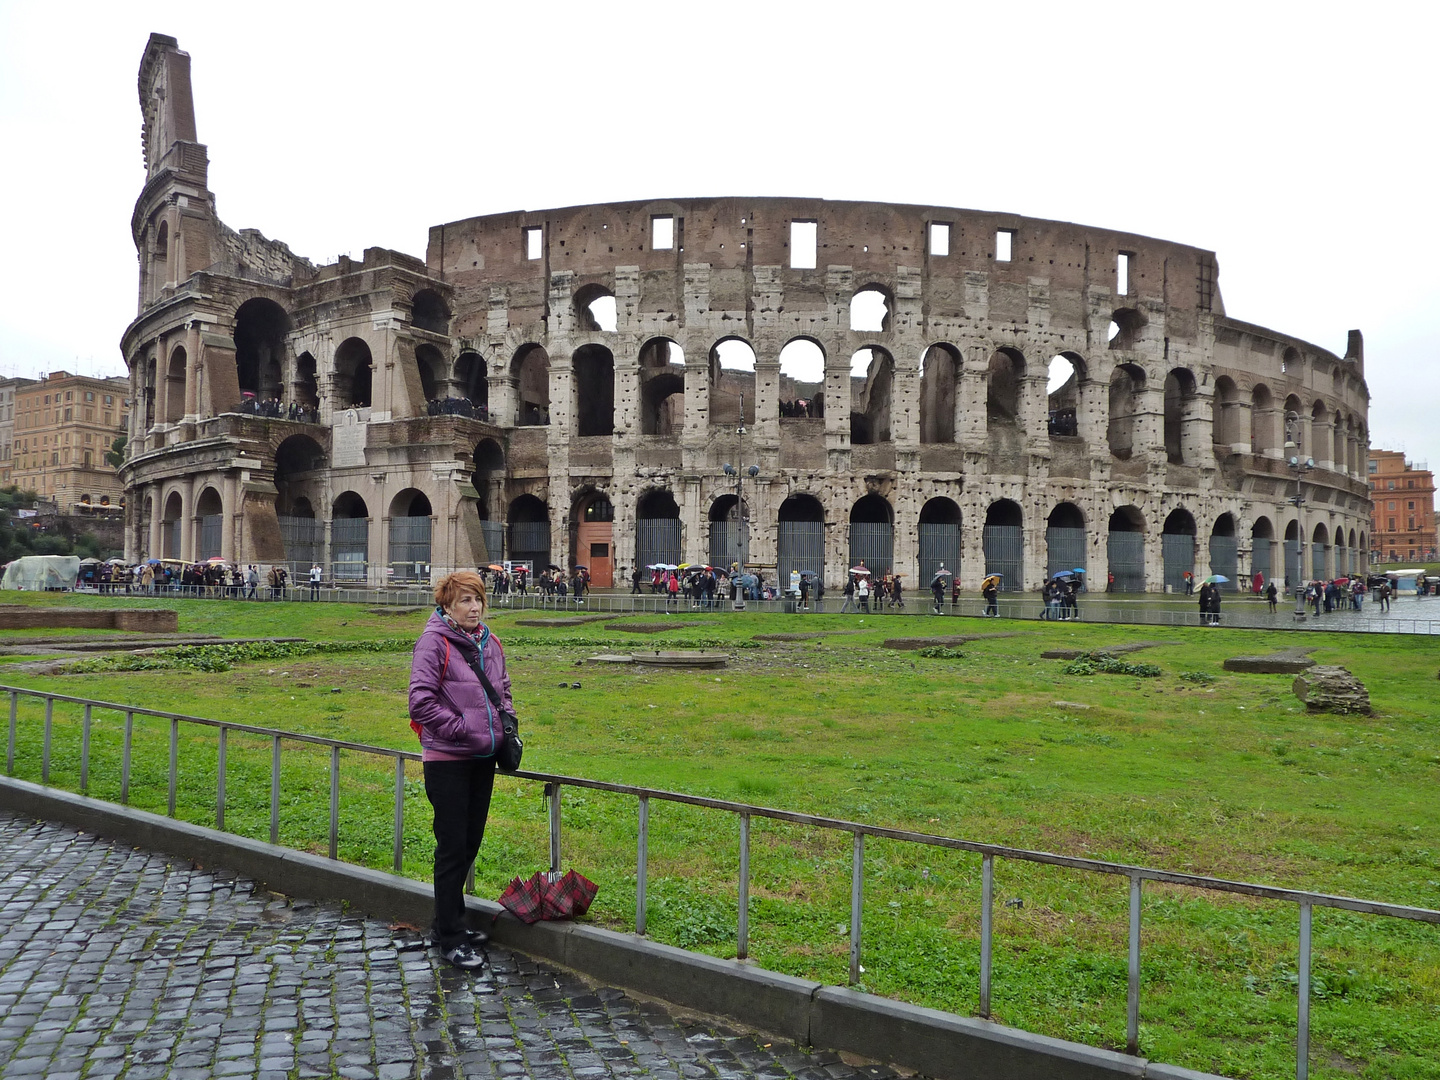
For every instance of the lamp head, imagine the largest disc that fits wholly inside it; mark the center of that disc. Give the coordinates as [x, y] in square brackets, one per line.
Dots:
[728, 469]
[754, 471]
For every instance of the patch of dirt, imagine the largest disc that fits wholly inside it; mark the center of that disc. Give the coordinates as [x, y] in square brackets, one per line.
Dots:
[646, 627]
[910, 643]
[570, 620]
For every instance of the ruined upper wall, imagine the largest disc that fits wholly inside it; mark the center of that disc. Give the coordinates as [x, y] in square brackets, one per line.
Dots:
[166, 102]
[733, 236]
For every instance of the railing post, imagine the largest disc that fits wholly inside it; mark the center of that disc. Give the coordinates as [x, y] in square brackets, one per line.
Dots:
[275, 790]
[125, 758]
[85, 752]
[220, 779]
[399, 812]
[45, 748]
[174, 761]
[334, 802]
[1132, 1004]
[553, 792]
[10, 742]
[1302, 1037]
[857, 883]
[742, 933]
[987, 904]
[642, 863]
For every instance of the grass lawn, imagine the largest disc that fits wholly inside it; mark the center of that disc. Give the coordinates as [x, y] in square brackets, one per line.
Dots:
[1211, 773]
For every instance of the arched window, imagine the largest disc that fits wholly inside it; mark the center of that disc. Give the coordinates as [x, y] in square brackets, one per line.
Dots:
[870, 310]
[261, 327]
[939, 380]
[1127, 384]
[1181, 406]
[732, 381]
[1262, 420]
[1062, 389]
[428, 312]
[662, 387]
[595, 309]
[530, 368]
[1225, 422]
[353, 374]
[802, 379]
[434, 374]
[871, 399]
[1002, 389]
[594, 368]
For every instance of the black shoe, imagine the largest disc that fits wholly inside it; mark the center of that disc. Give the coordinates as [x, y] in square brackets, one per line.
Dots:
[477, 937]
[464, 956]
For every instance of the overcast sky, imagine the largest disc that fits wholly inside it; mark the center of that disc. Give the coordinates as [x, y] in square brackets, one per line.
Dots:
[1297, 141]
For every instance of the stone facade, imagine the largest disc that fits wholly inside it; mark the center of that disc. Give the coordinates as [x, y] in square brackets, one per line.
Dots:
[8, 388]
[982, 389]
[1404, 498]
[64, 426]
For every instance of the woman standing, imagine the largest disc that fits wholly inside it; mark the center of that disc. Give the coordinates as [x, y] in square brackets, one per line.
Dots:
[458, 719]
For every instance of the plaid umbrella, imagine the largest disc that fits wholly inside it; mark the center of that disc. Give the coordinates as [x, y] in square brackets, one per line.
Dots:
[525, 899]
[569, 896]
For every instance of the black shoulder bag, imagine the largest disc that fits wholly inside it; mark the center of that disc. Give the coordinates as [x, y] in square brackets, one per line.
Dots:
[507, 757]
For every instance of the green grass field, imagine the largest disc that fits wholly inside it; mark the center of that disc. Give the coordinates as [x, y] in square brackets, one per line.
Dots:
[1197, 770]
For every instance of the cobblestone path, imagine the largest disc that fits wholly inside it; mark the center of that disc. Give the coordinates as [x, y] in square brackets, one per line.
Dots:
[118, 962]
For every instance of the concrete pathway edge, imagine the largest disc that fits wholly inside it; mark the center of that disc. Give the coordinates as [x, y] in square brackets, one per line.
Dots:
[935, 1043]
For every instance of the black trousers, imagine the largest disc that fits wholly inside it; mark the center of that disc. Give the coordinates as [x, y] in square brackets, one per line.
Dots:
[460, 793]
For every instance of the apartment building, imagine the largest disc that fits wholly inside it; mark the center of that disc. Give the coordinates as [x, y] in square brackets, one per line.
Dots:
[1402, 494]
[63, 427]
[8, 387]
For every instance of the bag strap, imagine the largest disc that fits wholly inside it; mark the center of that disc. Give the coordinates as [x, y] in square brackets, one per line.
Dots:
[479, 670]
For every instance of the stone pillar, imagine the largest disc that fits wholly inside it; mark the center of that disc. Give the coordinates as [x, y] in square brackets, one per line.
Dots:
[157, 514]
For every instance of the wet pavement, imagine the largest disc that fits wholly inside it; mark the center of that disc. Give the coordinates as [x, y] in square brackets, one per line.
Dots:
[116, 962]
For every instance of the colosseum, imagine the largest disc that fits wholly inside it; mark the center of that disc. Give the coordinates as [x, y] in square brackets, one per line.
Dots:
[619, 385]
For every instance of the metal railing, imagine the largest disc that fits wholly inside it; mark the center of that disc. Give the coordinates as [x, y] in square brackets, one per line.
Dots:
[745, 813]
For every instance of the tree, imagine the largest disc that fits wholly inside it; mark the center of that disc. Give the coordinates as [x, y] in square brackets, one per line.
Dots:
[115, 456]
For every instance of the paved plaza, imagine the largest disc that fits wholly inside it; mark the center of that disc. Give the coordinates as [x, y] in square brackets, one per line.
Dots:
[118, 962]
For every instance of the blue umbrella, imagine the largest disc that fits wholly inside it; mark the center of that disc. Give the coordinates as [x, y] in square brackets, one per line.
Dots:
[1078, 570]
[1063, 573]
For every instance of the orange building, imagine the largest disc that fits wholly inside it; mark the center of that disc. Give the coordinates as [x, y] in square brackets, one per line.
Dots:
[64, 426]
[1402, 495]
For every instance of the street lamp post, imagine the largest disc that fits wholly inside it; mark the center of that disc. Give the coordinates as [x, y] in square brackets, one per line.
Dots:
[1299, 467]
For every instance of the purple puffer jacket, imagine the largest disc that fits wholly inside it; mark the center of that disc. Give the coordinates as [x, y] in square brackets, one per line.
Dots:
[449, 709]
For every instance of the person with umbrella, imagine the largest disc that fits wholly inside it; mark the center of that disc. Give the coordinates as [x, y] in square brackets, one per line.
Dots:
[937, 588]
[990, 590]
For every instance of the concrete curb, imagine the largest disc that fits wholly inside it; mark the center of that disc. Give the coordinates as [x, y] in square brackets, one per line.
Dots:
[935, 1043]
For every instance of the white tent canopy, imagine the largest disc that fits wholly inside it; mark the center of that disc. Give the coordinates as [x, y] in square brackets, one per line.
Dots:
[35, 573]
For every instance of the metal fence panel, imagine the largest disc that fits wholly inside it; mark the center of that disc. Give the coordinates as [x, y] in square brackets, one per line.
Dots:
[724, 543]
[1292, 563]
[493, 533]
[530, 542]
[1225, 559]
[1342, 561]
[409, 549]
[1126, 552]
[1318, 555]
[874, 542]
[1260, 558]
[801, 547]
[304, 539]
[939, 543]
[1005, 554]
[211, 527]
[1178, 550]
[657, 540]
[349, 548]
[1065, 549]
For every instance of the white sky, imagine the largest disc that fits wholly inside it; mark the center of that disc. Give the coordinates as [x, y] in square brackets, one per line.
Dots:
[1298, 141]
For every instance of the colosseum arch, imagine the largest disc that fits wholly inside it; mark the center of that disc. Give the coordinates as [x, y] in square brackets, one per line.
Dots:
[1066, 543]
[410, 536]
[1003, 542]
[594, 308]
[175, 374]
[1062, 390]
[870, 404]
[349, 537]
[1292, 364]
[1004, 376]
[1127, 386]
[488, 458]
[1182, 406]
[1262, 420]
[662, 387]
[353, 374]
[658, 532]
[530, 368]
[1126, 326]
[1125, 549]
[939, 539]
[872, 534]
[209, 525]
[1296, 421]
[305, 390]
[1226, 419]
[594, 390]
[939, 383]
[800, 536]
[428, 312]
[434, 374]
[261, 327]
[470, 380]
[1320, 552]
[1177, 548]
[1262, 548]
[802, 374]
[732, 382]
[1225, 551]
[528, 532]
[593, 536]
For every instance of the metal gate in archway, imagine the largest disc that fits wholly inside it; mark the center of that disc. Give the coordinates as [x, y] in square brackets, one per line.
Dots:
[801, 546]
[410, 548]
[1125, 553]
[657, 540]
[211, 528]
[1004, 547]
[1225, 560]
[1178, 551]
[874, 543]
[1292, 563]
[1260, 558]
[1064, 550]
[303, 538]
[530, 542]
[939, 543]
[349, 548]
